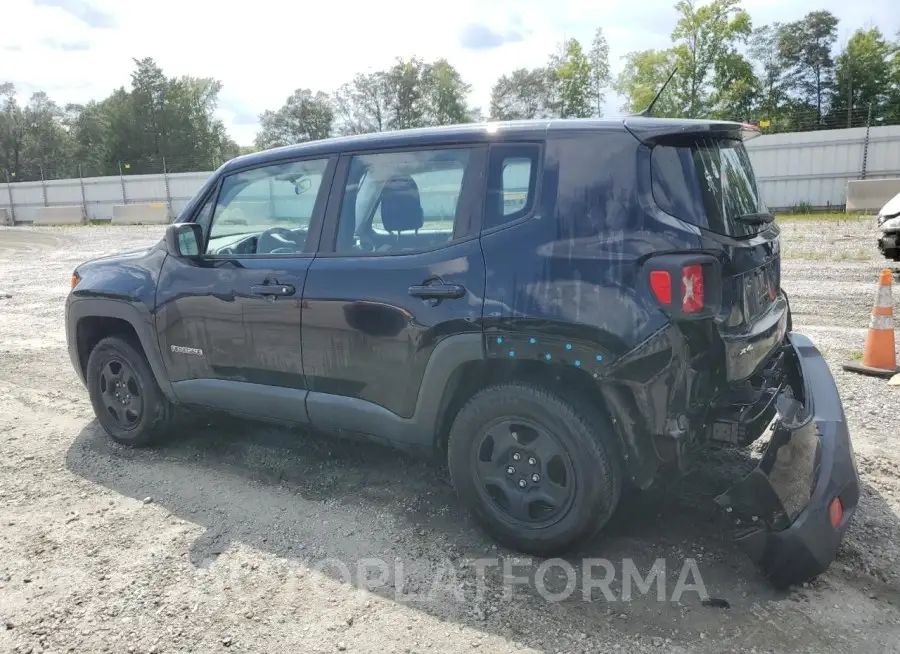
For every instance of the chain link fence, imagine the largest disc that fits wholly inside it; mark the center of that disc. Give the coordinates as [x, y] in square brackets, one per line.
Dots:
[60, 169]
[810, 120]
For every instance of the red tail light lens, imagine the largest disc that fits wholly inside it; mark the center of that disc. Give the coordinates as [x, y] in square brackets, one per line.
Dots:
[692, 288]
[661, 284]
[836, 512]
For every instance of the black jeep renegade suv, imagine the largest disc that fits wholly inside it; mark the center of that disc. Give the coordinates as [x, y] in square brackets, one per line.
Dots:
[558, 307]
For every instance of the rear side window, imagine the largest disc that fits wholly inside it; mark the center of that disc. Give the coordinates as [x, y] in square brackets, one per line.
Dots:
[511, 183]
[709, 183]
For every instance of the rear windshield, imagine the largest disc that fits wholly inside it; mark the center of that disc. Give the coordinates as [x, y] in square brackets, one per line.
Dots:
[708, 182]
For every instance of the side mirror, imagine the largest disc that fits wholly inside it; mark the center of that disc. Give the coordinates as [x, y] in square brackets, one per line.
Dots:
[184, 239]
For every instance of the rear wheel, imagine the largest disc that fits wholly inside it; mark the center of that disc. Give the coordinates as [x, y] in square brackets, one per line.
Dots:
[539, 472]
[126, 399]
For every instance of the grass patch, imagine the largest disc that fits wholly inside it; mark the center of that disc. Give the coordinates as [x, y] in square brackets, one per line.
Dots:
[856, 354]
[812, 255]
[825, 217]
[854, 255]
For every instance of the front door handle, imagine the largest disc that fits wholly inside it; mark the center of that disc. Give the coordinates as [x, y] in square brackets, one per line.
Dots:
[437, 291]
[272, 289]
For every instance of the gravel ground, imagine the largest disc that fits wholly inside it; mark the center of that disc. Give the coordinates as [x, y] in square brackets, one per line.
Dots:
[233, 535]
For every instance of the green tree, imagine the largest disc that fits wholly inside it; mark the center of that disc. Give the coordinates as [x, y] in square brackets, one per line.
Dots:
[89, 128]
[600, 77]
[411, 93]
[862, 75]
[892, 114]
[642, 75]
[361, 105]
[736, 88]
[407, 102]
[12, 131]
[703, 35]
[303, 117]
[121, 140]
[47, 145]
[446, 95]
[571, 89]
[151, 117]
[520, 95]
[805, 49]
[764, 51]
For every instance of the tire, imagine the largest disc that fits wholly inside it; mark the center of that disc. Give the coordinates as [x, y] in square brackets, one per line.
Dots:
[588, 453]
[136, 428]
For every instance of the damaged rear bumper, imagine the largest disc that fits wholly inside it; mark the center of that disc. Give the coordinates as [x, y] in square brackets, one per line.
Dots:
[785, 514]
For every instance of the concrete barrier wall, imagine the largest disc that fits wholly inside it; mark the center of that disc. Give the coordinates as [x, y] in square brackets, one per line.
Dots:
[153, 213]
[5, 218]
[70, 215]
[814, 167]
[100, 194]
[870, 194]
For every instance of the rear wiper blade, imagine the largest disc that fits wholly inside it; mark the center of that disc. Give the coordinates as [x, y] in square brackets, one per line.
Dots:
[756, 218]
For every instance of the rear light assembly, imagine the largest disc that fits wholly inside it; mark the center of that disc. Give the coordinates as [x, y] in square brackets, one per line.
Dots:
[836, 512]
[661, 283]
[686, 286]
[692, 288]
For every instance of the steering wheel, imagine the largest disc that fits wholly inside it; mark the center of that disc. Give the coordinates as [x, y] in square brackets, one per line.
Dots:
[276, 240]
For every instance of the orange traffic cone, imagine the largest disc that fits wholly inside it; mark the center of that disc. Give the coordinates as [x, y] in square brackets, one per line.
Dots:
[879, 357]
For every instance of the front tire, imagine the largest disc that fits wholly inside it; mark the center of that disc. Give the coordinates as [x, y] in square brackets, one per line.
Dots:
[124, 393]
[539, 472]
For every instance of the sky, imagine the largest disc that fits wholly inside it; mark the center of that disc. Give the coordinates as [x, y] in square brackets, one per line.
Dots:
[262, 50]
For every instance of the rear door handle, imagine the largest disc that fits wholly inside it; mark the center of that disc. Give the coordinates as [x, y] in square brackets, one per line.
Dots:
[272, 289]
[437, 291]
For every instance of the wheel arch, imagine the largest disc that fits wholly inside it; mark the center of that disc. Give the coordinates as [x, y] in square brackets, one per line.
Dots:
[470, 377]
[454, 375]
[88, 321]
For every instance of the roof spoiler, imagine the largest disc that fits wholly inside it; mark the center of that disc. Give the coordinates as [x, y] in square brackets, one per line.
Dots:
[650, 130]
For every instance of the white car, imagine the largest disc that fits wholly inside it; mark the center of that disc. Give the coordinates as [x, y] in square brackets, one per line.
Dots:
[889, 225]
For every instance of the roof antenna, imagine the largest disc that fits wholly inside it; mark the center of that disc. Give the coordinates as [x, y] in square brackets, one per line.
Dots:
[646, 112]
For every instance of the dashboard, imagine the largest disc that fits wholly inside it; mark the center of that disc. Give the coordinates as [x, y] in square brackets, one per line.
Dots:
[277, 240]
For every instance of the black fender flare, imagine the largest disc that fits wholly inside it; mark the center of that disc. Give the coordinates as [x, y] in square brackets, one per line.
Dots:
[141, 321]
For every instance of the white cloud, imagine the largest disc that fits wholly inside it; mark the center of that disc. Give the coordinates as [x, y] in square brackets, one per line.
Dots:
[264, 49]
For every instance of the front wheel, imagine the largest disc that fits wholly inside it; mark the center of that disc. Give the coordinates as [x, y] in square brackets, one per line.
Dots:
[126, 399]
[539, 472]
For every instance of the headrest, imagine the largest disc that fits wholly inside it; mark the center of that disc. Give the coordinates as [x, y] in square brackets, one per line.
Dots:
[401, 209]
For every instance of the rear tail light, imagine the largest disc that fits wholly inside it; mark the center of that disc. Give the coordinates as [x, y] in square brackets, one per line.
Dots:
[836, 512]
[661, 283]
[692, 288]
[686, 286]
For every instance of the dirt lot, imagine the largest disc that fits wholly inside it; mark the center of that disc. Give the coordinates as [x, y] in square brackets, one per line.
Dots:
[221, 539]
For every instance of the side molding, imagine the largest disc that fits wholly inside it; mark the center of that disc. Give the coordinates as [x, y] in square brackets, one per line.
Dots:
[258, 400]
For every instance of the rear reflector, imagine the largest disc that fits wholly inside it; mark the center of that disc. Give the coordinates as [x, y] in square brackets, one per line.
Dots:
[692, 288]
[836, 512]
[661, 283]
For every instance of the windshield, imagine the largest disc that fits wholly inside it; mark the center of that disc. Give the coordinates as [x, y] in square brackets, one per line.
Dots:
[708, 182]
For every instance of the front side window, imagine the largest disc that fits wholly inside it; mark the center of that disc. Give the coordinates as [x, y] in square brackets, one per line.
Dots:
[266, 210]
[402, 201]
